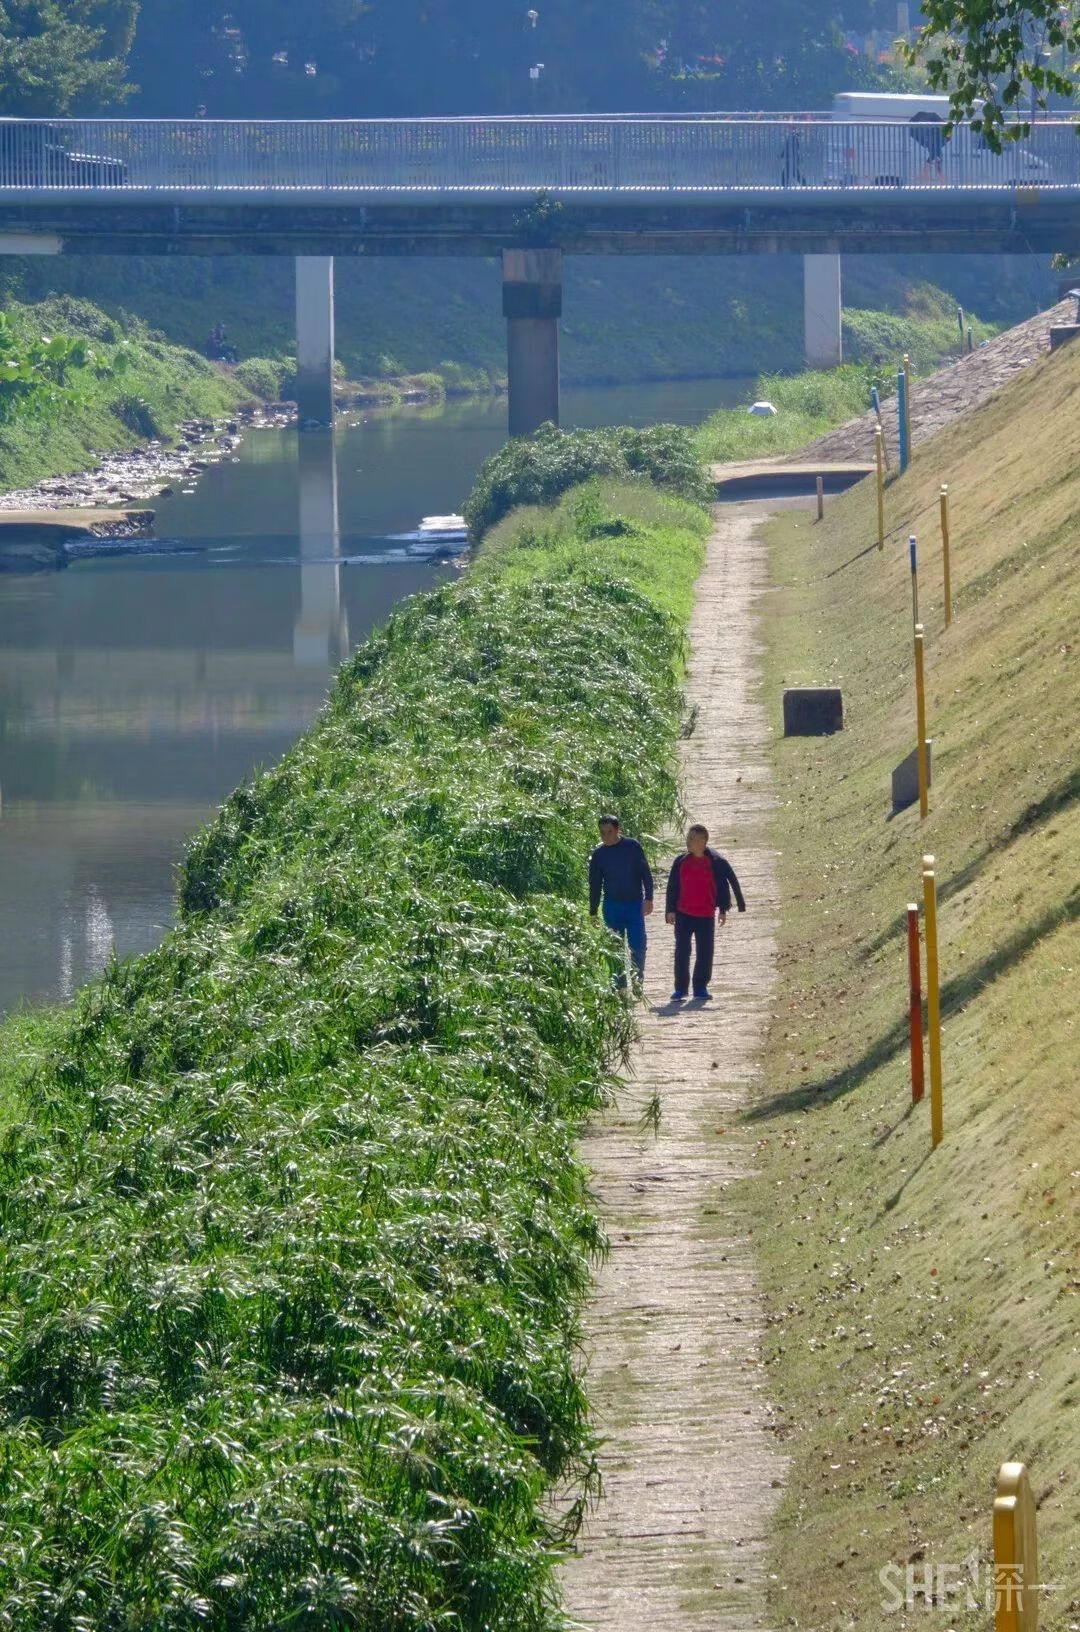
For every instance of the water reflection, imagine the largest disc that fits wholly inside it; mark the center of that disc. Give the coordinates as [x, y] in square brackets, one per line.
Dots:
[135, 694]
[321, 632]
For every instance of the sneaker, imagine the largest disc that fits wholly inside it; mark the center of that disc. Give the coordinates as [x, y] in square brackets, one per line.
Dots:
[704, 996]
[678, 997]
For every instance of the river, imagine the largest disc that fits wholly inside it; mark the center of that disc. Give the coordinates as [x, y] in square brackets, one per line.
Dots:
[136, 693]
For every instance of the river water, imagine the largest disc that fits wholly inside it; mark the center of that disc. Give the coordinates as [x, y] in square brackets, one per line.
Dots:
[136, 693]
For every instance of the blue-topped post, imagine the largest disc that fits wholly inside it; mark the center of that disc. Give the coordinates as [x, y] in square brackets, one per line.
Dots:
[902, 416]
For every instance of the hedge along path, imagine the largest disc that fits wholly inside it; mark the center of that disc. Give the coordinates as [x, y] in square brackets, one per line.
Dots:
[690, 1466]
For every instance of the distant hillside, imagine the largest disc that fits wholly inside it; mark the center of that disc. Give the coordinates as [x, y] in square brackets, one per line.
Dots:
[646, 318]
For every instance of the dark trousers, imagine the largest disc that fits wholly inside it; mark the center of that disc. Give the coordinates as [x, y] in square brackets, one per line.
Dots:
[703, 931]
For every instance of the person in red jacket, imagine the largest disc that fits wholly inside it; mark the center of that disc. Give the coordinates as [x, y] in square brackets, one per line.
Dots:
[699, 891]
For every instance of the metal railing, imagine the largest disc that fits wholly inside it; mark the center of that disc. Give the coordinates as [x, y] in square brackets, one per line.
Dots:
[708, 155]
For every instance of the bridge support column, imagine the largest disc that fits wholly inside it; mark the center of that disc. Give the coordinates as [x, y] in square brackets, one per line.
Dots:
[532, 306]
[822, 311]
[315, 339]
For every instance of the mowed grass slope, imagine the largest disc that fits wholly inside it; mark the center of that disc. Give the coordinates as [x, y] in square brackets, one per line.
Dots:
[924, 1307]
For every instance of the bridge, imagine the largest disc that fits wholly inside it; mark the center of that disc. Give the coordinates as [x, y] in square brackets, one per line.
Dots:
[531, 189]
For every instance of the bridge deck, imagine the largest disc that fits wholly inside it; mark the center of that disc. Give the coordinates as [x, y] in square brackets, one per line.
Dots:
[802, 184]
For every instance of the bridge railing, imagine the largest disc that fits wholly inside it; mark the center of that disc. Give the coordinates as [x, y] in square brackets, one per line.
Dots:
[704, 154]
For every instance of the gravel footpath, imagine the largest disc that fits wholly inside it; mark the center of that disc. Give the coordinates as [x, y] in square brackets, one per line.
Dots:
[690, 1463]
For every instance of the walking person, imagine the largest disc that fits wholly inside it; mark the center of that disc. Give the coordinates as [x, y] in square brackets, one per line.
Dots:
[619, 873]
[699, 891]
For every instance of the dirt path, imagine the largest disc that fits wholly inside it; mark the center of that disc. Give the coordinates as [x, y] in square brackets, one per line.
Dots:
[690, 1466]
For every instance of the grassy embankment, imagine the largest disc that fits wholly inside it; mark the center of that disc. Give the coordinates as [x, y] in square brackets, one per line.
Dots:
[923, 1323]
[625, 318]
[807, 405]
[294, 1237]
[133, 388]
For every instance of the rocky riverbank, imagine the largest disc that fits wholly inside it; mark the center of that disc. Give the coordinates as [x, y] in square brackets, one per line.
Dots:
[153, 471]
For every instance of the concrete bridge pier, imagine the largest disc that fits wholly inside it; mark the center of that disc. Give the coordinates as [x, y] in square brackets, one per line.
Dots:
[315, 339]
[822, 311]
[532, 306]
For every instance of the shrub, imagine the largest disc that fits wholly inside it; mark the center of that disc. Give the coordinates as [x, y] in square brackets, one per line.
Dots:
[137, 414]
[292, 1231]
[262, 376]
[537, 469]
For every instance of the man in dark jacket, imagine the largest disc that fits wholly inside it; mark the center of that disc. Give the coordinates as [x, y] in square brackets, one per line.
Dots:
[699, 891]
[619, 872]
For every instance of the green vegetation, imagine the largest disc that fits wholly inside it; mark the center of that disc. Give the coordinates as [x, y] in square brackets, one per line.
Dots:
[807, 406]
[635, 531]
[648, 317]
[814, 402]
[923, 1306]
[74, 385]
[293, 1236]
[64, 56]
[532, 470]
[926, 330]
[992, 56]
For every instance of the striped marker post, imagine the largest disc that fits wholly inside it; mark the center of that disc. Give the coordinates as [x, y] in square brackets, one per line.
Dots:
[920, 724]
[879, 462]
[907, 410]
[902, 415]
[918, 1083]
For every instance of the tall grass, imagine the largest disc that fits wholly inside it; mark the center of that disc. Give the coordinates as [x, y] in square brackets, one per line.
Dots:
[816, 401]
[293, 1236]
[538, 469]
[807, 404]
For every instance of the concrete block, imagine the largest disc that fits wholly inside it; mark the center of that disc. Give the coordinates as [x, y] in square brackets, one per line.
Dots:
[1062, 333]
[813, 711]
[905, 778]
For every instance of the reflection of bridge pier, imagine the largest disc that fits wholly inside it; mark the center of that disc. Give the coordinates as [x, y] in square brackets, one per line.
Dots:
[321, 634]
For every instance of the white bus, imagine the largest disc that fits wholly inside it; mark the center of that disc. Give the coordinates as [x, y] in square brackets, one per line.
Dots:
[905, 146]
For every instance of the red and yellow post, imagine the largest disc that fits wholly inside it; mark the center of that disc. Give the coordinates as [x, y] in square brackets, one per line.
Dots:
[933, 1002]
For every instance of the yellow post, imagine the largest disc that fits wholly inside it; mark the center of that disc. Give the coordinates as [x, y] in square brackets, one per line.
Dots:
[1016, 1561]
[933, 1001]
[945, 552]
[879, 461]
[907, 417]
[920, 723]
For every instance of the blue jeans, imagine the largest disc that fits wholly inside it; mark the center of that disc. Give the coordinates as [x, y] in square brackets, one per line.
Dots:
[627, 920]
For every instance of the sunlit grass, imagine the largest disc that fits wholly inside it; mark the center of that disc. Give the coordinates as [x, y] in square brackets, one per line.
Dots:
[293, 1234]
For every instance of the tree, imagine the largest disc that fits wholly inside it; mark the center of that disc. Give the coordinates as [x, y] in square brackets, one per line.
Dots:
[745, 54]
[64, 56]
[986, 52]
